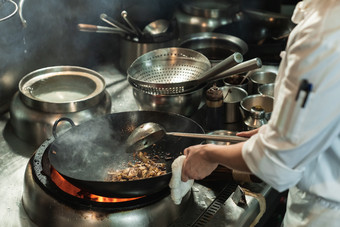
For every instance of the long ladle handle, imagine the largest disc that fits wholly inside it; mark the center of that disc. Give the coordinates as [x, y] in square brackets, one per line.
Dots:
[115, 23]
[223, 138]
[99, 29]
[134, 27]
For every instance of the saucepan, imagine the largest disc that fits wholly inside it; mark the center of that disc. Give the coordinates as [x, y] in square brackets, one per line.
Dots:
[87, 152]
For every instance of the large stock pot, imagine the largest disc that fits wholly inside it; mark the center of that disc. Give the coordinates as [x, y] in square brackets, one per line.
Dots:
[49, 93]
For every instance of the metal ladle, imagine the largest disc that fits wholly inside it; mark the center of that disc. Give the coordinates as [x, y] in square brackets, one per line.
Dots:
[149, 133]
[157, 27]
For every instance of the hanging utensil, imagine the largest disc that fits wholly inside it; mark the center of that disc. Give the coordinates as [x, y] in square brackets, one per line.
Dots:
[246, 76]
[134, 27]
[157, 27]
[115, 23]
[150, 133]
[100, 29]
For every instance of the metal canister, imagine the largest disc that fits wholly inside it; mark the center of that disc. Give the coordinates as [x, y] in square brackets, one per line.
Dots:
[214, 103]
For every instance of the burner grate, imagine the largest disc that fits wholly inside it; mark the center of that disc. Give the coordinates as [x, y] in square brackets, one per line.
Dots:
[215, 206]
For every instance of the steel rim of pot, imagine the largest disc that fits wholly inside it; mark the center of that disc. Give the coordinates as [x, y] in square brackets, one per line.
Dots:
[263, 77]
[202, 38]
[87, 100]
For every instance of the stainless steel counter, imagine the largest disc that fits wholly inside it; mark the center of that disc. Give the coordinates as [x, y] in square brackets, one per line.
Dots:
[14, 156]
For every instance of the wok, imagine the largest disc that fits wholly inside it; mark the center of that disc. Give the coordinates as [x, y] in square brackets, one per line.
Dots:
[265, 34]
[85, 153]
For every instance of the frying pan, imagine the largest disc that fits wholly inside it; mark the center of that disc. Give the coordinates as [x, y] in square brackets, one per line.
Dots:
[85, 153]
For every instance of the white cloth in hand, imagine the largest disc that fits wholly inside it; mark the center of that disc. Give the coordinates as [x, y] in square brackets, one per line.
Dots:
[178, 188]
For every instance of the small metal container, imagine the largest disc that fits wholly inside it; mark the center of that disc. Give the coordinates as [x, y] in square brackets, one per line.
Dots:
[267, 89]
[264, 101]
[256, 119]
[259, 78]
[232, 99]
[235, 80]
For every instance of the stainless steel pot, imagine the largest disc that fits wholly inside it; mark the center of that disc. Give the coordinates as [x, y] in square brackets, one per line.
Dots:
[215, 46]
[130, 50]
[204, 15]
[185, 103]
[48, 94]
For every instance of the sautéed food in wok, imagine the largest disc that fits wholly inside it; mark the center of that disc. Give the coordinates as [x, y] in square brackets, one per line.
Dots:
[141, 169]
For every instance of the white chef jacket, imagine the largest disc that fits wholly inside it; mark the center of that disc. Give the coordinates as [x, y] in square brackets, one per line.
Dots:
[299, 148]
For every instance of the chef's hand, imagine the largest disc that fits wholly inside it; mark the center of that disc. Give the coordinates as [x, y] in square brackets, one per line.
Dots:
[197, 165]
[248, 133]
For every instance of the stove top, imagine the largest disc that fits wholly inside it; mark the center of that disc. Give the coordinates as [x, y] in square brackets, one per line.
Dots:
[14, 162]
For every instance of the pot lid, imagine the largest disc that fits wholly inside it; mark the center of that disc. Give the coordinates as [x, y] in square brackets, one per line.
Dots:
[61, 89]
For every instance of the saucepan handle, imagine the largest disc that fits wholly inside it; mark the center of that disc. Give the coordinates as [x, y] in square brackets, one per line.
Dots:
[54, 128]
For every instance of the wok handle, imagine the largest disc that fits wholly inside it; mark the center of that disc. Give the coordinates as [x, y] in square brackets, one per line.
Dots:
[54, 127]
[224, 138]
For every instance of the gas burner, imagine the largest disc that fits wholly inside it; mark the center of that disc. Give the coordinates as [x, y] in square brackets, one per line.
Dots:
[49, 198]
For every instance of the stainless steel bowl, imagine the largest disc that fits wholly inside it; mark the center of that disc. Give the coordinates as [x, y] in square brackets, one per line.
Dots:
[264, 101]
[185, 104]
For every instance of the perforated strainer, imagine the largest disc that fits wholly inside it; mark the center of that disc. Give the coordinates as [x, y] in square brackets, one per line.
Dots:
[170, 71]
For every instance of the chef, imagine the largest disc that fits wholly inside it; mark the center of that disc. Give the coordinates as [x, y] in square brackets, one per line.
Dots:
[299, 148]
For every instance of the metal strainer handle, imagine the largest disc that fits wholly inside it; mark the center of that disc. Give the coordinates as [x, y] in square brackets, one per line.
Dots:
[246, 66]
[227, 63]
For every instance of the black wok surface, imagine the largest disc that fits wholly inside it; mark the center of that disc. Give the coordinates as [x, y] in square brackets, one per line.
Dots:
[85, 153]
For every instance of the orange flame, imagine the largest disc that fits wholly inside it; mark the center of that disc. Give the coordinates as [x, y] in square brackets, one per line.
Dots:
[69, 188]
